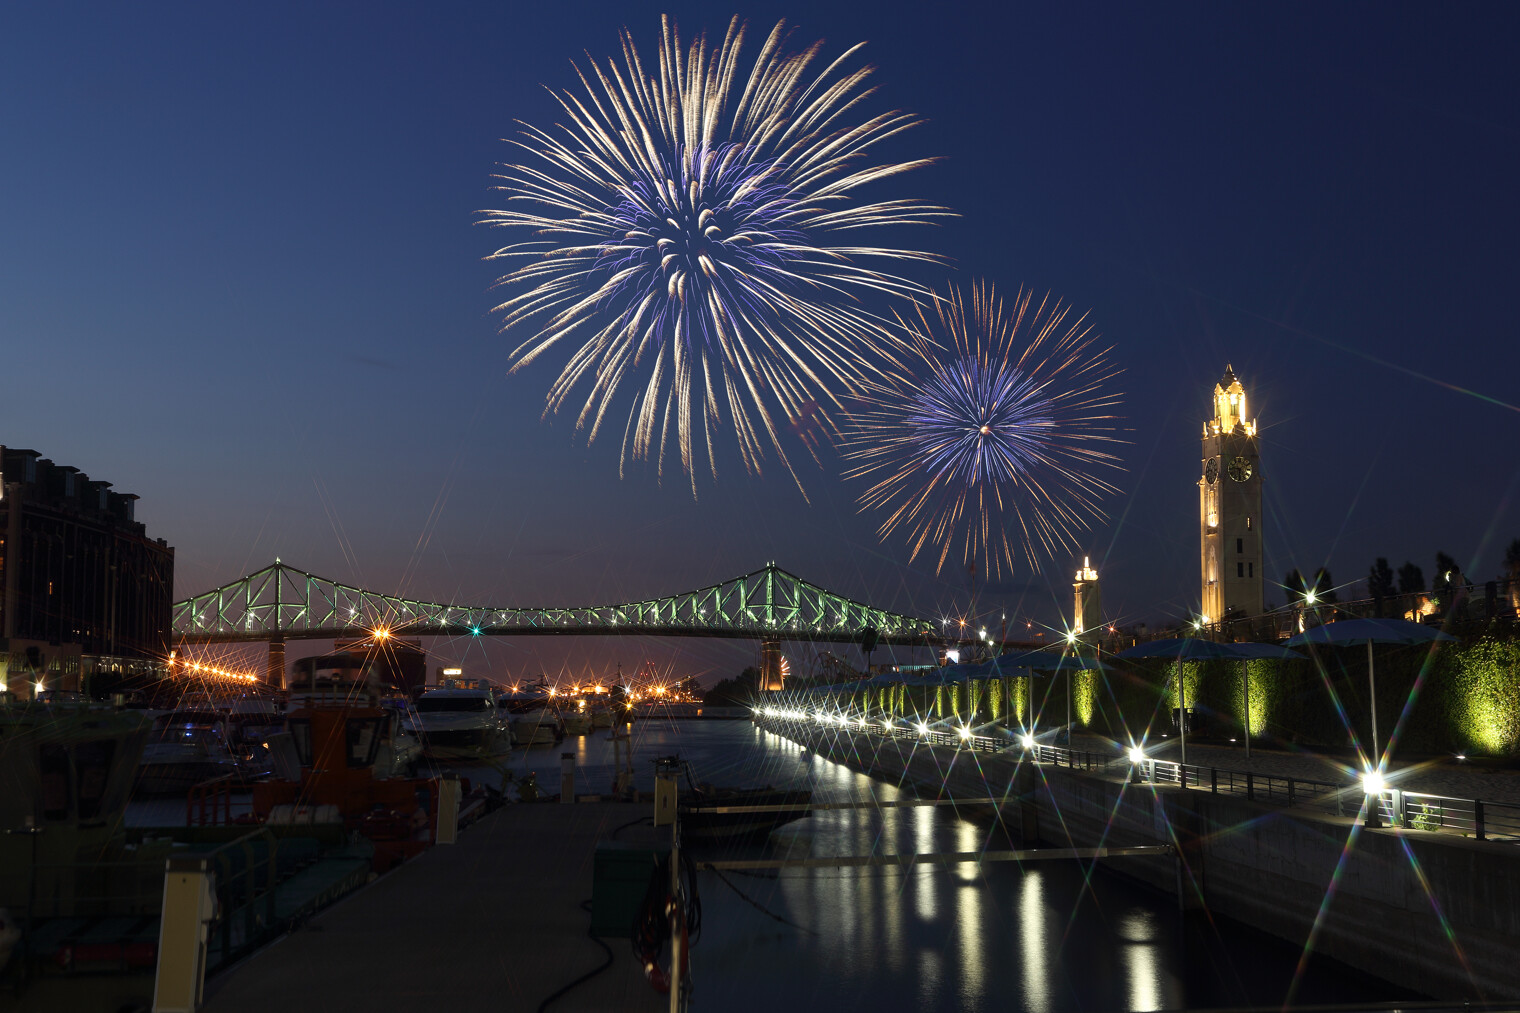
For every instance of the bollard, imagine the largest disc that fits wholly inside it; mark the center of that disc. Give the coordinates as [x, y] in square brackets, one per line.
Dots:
[567, 778]
[188, 910]
[664, 793]
[447, 830]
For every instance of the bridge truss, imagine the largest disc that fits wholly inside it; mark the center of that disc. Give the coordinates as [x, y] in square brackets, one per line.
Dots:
[282, 602]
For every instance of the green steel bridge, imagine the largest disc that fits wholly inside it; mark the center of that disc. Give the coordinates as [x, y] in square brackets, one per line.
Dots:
[281, 603]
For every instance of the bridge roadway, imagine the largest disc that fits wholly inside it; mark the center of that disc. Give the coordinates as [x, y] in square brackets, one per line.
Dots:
[281, 603]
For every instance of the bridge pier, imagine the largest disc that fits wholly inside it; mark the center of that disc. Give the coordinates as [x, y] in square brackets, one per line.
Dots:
[274, 670]
[771, 680]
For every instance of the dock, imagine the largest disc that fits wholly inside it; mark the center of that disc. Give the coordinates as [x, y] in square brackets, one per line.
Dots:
[494, 922]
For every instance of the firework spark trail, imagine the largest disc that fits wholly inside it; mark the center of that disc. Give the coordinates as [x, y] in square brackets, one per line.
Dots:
[683, 221]
[985, 436]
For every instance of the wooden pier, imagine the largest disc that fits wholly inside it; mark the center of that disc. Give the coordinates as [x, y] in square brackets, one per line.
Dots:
[492, 923]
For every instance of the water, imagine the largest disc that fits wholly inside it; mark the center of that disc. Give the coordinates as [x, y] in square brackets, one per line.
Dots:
[1000, 937]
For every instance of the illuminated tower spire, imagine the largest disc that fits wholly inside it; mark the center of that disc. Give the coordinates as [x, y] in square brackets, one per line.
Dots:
[1229, 507]
[1087, 607]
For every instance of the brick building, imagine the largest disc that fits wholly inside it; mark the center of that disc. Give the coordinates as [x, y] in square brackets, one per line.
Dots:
[85, 594]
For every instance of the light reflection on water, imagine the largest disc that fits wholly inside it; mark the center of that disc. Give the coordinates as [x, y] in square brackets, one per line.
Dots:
[969, 937]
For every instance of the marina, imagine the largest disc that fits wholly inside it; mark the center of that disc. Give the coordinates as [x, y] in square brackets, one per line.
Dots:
[586, 507]
[497, 920]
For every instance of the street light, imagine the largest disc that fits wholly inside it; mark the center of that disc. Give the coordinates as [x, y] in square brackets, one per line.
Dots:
[1373, 786]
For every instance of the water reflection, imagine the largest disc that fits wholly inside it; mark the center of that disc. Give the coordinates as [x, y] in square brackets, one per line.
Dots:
[977, 938]
[1033, 945]
[1139, 950]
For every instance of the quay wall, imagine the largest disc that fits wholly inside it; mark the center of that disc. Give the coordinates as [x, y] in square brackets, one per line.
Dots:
[1379, 903]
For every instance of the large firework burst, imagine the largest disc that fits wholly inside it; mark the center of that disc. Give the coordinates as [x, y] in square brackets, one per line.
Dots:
[986, 438]
[688, 235]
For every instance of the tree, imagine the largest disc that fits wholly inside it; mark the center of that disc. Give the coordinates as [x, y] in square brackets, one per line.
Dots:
[1380, 583]
[1294, 584]
[869, 638]
[1324, 586]
[1512, 560]
[1512, 572]
[1411, 579]
[736, 692]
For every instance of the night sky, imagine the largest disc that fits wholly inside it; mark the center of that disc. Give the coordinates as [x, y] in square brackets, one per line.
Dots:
[240, 276]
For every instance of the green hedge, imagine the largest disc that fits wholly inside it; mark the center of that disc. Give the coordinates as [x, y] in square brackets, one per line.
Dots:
[1468, 698]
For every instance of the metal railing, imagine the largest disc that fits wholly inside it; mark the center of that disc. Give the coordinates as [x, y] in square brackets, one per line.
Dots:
[212, 803]
[1415, 810]
[247, 874]
[1410, 810]
[1291, 792]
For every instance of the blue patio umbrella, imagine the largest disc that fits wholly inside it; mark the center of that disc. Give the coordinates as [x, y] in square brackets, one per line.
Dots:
[1353, 632]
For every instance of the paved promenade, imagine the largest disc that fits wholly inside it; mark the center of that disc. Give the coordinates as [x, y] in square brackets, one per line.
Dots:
[1444, 777]
[492, 923]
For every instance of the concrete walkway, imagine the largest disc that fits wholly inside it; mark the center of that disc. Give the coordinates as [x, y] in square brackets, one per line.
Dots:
[493, 923]
[1444, 777]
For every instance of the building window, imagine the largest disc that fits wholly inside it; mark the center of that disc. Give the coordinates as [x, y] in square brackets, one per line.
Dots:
[1250, 569]
[1248, 524]
[1240, 569]
[1240, 546]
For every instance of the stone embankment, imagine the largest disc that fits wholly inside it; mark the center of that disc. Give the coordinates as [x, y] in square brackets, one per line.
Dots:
[1375, 899]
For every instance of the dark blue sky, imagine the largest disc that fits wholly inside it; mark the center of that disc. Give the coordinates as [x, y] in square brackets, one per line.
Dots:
[239, 277]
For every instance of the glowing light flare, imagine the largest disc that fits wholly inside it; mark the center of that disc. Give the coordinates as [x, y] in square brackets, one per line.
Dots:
[694, 230]
[984, 439]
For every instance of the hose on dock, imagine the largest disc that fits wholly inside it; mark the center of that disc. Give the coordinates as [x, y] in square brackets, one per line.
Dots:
[585, 906]
[653, 923]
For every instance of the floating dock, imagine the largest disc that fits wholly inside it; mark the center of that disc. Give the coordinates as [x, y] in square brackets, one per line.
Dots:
[494, 922]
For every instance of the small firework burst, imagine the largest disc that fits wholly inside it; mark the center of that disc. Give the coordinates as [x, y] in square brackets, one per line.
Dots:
[695, 232]
[985, 440]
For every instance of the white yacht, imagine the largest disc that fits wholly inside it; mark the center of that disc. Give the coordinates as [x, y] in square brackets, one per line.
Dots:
[535, 722]
[461, 724]
[185, 748]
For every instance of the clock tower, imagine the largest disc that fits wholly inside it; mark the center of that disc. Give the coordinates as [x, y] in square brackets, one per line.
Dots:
[1229, 507]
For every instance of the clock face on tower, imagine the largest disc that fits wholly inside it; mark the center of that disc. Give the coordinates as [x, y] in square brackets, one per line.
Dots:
[1211, 471]
[1240, 469]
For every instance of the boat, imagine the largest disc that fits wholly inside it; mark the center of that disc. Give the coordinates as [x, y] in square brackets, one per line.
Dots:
[462, 724]
[185, 748]
[534, 719]
[329, 772]
[75, 894]
[400, 747]
[578, 721]
[251, 720]
[699, 823]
